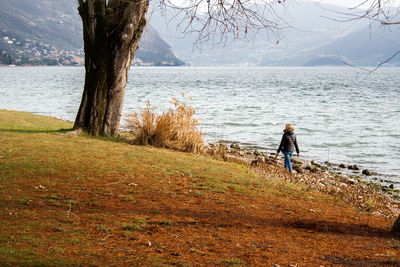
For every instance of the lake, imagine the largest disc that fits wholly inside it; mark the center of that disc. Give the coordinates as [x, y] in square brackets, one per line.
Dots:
[344, 115]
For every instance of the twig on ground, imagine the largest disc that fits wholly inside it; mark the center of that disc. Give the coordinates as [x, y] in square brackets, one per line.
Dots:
[141, 236]
[107, 236]
[69, 211]
[119, 182]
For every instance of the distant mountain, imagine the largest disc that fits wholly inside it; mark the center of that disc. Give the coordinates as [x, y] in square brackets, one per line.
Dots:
[50, 32]
[367, 46]
[153, 50]
[315, 38]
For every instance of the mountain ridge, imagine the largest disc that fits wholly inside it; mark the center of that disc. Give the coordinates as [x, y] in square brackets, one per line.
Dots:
[46, 32]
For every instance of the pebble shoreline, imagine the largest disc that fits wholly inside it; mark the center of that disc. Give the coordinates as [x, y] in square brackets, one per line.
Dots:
[328, 178]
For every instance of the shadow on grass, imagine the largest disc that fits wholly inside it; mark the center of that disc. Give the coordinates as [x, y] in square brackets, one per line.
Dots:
[33, 131]
[240, 219]
[348, 261]
[344, 228]
[114, 139]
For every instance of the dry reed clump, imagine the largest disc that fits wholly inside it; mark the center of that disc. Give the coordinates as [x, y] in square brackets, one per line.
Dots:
[176, 129]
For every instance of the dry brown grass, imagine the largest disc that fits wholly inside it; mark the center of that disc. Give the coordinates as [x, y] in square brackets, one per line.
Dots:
[175, 129]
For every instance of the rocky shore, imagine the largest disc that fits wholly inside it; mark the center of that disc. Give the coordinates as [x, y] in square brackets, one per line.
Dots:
[345, 183]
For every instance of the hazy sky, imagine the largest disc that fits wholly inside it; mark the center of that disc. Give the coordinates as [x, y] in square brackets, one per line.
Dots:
[353, 3]
[346, 3]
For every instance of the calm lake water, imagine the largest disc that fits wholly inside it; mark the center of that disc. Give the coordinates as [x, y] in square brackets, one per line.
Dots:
[343, 115]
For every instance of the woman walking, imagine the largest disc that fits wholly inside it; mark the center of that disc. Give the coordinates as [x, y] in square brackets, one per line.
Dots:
[288, 145]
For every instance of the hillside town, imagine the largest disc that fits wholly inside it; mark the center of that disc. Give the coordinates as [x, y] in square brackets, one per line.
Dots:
[34, 52]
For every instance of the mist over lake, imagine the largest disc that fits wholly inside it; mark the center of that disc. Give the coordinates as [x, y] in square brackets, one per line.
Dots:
[344, 115]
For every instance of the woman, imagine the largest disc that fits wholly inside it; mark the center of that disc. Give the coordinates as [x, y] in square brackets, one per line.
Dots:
[288, 145]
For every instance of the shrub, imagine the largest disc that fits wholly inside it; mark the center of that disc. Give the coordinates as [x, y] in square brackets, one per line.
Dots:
[176, 129]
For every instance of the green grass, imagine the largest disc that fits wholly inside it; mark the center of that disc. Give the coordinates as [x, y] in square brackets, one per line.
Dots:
[22, 122]
[138, 224]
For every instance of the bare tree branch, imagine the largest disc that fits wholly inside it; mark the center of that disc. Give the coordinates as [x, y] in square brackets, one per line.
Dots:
[377, 11]
[222, 21]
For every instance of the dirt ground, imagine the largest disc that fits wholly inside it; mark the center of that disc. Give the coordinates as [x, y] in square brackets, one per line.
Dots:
[186, 226]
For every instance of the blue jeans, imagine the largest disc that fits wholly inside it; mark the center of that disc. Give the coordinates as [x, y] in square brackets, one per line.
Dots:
[288, 164]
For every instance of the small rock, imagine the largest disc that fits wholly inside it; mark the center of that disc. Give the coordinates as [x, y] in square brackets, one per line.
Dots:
[296, 161]
[307, 165]
[261, 159]
[342, 166]
[235, 146]
[39, 187]
[353, 167]
[298, 168]
[391, 186]
[367, 172]
[257, 153]
[347, 180]
[310, 168]
[316, 164]
[258, 161]
[354, 181]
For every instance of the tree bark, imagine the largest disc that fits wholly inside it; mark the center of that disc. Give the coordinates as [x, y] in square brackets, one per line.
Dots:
[111, 34]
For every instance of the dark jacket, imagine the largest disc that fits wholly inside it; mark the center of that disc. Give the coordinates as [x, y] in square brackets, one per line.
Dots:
[288, 143]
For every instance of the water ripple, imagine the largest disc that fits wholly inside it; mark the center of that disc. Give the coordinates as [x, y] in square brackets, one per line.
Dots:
[343, 114]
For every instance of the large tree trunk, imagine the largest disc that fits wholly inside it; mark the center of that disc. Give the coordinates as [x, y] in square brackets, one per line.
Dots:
[111, 33]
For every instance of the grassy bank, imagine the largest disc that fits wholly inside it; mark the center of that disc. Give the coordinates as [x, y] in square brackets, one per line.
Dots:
[71, 199]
